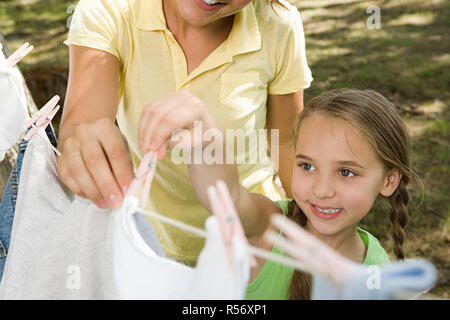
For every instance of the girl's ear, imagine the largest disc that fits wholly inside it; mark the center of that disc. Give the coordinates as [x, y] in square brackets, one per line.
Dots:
[391, 183]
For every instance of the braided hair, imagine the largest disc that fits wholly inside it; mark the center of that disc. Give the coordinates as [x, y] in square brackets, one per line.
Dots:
[378, 120]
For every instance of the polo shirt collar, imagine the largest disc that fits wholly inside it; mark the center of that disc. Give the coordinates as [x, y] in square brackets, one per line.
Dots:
[151, 15]
[244, 37]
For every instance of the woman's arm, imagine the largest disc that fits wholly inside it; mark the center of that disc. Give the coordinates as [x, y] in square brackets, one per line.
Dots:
[92, 90]
[180, 110]
[253, 209]
[282, 111]
[95, 162]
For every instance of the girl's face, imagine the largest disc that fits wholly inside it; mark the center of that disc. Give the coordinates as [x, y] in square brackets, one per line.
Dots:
[337, 175]
[199, 13]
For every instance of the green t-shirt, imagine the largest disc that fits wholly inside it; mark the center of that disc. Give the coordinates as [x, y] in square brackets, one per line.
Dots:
[274, 279]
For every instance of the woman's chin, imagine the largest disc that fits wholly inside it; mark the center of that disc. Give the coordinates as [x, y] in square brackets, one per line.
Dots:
[194, 16]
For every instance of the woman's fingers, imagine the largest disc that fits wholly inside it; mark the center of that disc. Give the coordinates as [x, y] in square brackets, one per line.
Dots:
[99, 168]
[179, 118]
[146, 115]
[95, 163]
[117, 153]
[162, 152]
[80, 174]
[67, 179]
[162, 118]
[151, 117]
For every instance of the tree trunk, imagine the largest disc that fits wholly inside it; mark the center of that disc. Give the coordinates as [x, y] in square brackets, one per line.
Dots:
[10, 158]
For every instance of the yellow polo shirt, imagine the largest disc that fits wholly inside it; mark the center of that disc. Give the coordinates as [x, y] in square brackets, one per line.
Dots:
[264, 54]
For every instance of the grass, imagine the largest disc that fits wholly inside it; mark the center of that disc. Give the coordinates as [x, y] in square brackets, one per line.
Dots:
[407, 60]
[43, 23]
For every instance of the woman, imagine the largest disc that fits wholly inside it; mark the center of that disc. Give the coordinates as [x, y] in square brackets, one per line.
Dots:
[245, 60]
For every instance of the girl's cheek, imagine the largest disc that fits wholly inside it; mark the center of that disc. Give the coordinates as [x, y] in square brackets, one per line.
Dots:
[356, 200]
[300, 186]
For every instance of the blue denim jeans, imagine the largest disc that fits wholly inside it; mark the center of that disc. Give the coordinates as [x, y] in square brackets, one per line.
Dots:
[8, 204]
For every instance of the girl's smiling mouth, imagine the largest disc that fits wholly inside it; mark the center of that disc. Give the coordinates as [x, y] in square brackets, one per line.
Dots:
[326, 213]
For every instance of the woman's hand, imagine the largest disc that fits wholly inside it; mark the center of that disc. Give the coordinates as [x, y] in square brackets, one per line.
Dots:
[162, 118]
[95, 162]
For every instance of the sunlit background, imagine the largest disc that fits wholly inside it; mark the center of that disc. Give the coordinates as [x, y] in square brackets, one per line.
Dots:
[407, 59]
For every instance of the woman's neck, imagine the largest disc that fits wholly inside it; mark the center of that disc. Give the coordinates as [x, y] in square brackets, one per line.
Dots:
[197, 43]
[348, 242]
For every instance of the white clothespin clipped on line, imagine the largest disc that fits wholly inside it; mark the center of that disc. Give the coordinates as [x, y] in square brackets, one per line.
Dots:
[18, 55]
[230, 225]
[41, 119]
[224, 209]
[143, 177]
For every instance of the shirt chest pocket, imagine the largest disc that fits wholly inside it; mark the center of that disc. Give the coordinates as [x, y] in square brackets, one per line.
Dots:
[243, 92]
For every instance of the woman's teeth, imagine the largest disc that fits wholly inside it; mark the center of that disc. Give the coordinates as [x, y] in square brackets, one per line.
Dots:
[210, 2]
[328, 211]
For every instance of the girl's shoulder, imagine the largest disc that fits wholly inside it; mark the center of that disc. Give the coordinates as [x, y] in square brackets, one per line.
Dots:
[375, 253]
[284, 205]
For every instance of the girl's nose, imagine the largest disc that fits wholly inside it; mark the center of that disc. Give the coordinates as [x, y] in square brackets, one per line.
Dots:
[323, 188]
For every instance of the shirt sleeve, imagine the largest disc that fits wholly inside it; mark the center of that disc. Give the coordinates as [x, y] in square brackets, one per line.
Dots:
[292, 71]
[96, 24]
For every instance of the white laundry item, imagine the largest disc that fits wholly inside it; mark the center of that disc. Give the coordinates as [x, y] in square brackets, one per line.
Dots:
[64, 247]
[13, 106]
[137, 268]
[59, 243]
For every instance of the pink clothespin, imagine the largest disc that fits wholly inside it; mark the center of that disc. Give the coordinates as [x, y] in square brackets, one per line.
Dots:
[144, 176]
[230, 224]
[19, 54]
[314, 255]
[42, 118]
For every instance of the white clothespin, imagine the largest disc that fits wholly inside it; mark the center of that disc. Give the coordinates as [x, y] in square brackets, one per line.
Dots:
[144, 176]
[223, 208]
[19, 54]
[41, 119]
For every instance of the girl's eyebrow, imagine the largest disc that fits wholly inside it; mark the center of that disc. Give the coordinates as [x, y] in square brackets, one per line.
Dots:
[303, 157]
[351, 164]
[343, 162]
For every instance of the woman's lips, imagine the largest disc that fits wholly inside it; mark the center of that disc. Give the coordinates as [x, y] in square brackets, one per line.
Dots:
[204, 6]
[325, 216]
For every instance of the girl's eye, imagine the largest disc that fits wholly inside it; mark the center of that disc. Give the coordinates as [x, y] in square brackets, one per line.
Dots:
[347, 173]
[307, 166]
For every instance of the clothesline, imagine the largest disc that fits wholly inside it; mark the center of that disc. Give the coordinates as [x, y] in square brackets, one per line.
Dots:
[43, 117]
[201, 233]
[253, 250]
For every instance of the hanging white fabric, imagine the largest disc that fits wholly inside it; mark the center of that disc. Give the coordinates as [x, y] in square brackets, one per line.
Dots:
[64, 247]
[13, 105]
[141, 274]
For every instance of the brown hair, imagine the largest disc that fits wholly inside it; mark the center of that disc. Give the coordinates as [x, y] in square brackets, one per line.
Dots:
[376, 119]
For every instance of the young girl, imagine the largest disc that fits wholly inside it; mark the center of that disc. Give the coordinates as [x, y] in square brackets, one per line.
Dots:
[244, 59]
[351, 147]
